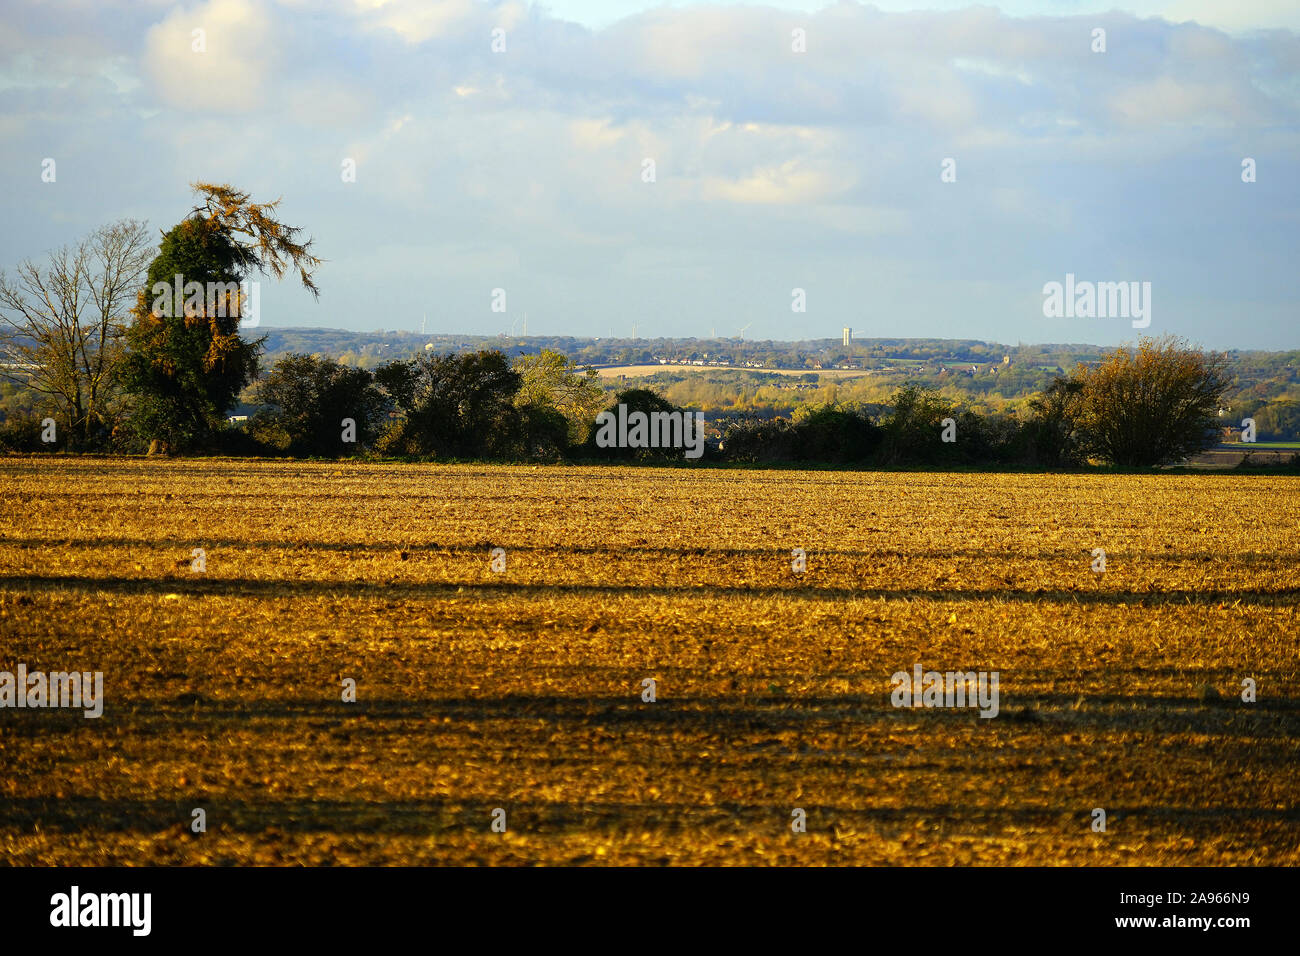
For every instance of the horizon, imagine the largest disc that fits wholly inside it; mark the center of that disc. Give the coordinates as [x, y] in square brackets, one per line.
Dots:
[617, 338]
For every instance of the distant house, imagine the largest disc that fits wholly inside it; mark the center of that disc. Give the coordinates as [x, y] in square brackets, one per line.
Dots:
[237, 419]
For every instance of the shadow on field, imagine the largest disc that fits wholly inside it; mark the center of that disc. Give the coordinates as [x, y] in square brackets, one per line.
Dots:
[780, 556]
[415, 590]
[859, 716]
[436, 815]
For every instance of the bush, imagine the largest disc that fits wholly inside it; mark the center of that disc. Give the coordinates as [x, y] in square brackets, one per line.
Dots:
[237, 442]
[637, 400]
[912, 433]
[22, 433]
[309, 398]
[835, 433]
[762, 441]
[1156, 406]
[453, 406]
[1053, 437]
[543, 434]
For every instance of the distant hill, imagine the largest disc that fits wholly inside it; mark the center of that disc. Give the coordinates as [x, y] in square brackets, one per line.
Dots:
[808, 354]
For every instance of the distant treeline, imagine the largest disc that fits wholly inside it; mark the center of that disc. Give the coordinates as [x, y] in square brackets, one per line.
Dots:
[1155, 405]
[1266, 385]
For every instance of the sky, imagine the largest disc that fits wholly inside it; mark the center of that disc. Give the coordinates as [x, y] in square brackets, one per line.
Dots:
[690, 169]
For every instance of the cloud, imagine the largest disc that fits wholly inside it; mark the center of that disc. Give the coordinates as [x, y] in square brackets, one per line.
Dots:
[214, 56]
[790, 182]
[417, 21]
[768, 161]
[1170, 101]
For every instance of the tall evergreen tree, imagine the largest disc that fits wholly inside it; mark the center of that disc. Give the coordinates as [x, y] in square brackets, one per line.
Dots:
[186, 360]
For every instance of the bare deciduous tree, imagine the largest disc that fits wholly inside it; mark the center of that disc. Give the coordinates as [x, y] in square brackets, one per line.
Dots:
[61, 324]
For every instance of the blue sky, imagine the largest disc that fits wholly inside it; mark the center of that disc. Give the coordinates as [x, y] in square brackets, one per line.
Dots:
[774, 169]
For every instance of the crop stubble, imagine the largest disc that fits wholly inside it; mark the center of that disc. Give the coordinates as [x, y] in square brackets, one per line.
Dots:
[522, 690]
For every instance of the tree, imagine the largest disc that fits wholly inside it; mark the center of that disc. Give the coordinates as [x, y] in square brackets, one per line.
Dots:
[187, 361]
[1053, 432]
[307, 401]
[543, 434]
[1154, 406]
[453, 406]
[834, 432]
[64, 322]
[270, 247]
[913, 429]
[641, 400]
[755, 440]
[1276, 421]
[550, 379]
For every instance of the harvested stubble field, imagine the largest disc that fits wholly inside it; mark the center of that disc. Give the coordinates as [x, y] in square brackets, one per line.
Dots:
[522, 690]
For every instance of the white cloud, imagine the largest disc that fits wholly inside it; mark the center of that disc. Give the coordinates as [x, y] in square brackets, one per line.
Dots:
[1169, 101]
[418, 21]
[593, 134]
[790, 182]
[767, 161]
[228, 73]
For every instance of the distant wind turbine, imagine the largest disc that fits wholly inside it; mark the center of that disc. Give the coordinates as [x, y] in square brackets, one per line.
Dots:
[742, 332]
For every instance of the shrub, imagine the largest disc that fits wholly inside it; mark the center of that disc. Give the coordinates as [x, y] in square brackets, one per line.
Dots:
[1154, 406]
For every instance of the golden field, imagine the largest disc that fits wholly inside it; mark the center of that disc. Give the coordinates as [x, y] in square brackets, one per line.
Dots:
[522, 690]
